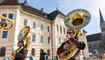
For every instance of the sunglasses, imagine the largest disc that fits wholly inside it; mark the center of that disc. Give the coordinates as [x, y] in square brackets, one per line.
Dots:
[70, 33]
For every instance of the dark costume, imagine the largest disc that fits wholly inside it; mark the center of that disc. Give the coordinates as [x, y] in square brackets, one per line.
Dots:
[21, 54]
[42, 55]
[80, 45]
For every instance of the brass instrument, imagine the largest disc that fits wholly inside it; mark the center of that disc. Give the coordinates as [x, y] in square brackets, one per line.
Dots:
[6, 24]
[24, 36]
[76, 20]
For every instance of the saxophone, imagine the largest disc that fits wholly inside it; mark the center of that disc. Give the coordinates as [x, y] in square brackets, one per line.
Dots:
[23, 36]
[76, 20]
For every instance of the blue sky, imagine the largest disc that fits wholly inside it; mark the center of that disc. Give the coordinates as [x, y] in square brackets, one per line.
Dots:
[65, 6]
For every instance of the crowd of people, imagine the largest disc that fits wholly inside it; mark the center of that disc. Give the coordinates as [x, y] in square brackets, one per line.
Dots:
[21, 52]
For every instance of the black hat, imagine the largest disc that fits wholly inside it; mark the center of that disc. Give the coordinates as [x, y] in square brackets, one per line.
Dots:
[21, 42]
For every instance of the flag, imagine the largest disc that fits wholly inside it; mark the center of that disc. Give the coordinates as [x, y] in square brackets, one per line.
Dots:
[49, 35]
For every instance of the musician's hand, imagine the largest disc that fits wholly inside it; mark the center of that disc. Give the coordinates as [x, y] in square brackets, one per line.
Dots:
[66, 45]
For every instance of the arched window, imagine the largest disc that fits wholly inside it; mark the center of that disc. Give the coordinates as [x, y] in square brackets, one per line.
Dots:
[2, 51]
[33, 52]
[48, 51]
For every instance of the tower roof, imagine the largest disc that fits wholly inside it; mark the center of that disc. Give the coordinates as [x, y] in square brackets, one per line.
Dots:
[101, 17]
[9, 2]
[53, 14]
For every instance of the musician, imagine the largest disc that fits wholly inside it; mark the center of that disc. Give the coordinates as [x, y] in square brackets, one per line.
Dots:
[21, 52]
[70, 38]
[42, 55]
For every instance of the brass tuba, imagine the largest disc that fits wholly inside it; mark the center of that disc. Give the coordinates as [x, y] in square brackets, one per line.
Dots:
[25, 37]
[76, 20]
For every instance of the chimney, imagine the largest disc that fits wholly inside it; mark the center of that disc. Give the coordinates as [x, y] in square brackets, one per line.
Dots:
[42, 10]
[25, 3]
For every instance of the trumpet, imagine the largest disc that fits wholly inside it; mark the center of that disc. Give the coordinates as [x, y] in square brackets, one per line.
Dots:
[6, 24]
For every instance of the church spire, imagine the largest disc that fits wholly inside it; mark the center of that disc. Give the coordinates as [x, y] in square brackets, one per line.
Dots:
[101, 17]
[102, 24]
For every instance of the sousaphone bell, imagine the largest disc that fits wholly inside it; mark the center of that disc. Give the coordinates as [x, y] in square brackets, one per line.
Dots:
[77, 19]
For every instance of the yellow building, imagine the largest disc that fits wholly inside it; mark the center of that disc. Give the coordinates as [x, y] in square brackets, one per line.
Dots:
[47, 30]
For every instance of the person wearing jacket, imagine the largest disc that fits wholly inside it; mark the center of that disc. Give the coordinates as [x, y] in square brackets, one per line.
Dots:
[70, 38]
[21, 52]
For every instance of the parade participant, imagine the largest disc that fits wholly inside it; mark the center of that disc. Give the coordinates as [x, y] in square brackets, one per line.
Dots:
[31, 58]
[46, 56]
[70, 38]
[21, 52]
[42, 55]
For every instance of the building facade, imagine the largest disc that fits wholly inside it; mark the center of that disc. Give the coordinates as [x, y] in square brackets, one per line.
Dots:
[96, 41]
[47, 30]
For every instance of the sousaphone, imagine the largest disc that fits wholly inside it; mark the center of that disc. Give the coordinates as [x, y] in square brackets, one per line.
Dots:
[76, 20]
[24, 37]
[23, 33]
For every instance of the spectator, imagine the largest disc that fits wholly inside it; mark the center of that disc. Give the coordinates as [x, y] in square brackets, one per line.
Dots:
[31, 57]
